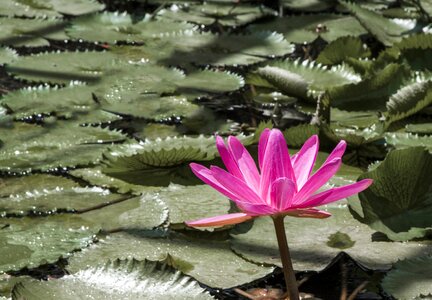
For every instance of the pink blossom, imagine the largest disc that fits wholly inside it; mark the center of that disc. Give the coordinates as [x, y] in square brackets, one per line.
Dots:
[285, 185]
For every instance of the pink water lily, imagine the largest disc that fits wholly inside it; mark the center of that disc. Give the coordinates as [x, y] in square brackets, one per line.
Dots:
[283, 185]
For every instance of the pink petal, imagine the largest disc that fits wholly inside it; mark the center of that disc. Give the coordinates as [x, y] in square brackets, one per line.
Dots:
[317, 180]
[262, 146]
[337, 152]
[315, 200]
[339, 193]
[229, 219]
[245, 163]
[236, 186]
[207, 177]
[308, 213]
[276, 163]
[304, 160]
[256, 209]
[282, 192]
[227, 158]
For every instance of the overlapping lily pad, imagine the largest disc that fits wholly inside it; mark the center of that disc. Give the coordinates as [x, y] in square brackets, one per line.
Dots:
[114, 27]
[398, 203]
[310, 242]
[226, 14]
[126, 279]
[27, 242]
[221, 268]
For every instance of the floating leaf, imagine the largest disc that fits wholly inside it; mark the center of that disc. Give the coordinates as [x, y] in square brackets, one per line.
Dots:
[299, 78]
[30, 32]
[341, 49]
[308, 241]
[306, 28]
[398, 203]
[120, 279]
[380, 87]
[64, 102]
[7, 56]
[210, 49]
[113, 27]
[29, 8]
[408, 100]
[401, 140]
[186, 203]
[410, 279]
[30, 147]
[226, 14]
[209, 261]
[308, 5]
[38, 198]
[420, 128]
[387, 31]
[29, 242]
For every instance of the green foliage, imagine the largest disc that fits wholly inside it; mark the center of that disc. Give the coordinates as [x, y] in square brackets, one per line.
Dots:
[139, 280]
[399, 201]
[410, 279]
[341, 49]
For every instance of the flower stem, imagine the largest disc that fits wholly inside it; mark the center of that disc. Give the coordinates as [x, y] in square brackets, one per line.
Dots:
[290, 279]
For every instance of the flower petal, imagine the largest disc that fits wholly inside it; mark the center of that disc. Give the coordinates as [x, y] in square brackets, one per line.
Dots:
[308, 213]
[276, 163]
[317, 180]
[227, 158]
[315, 200]
[207, 177]
[229, 219]
[338, 193]
[282, 192]
[235, 186]
[262, 146]
[337, 152]
[256, 209]
[245, 163]
[304, 160]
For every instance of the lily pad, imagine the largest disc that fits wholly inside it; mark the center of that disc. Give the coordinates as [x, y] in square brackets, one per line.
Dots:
[29, 8]
[7, 55]
[410, 279]
[306, 28]
[27, 242]
[39, 197]
[113, 27]
[186, 203]
[30, 147]
[226, 14]
[398, 203]
[30, 32]
[210, 49]
[118, 279]
[209, 261]
[308, 240]
[341, 49]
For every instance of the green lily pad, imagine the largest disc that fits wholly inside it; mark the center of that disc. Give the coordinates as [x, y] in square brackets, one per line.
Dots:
[7, 56]
[353, 119]
[410, 279]
[46, 194]
[210, 49]
[29, 147]
[186, 203]
[118, 279]
[33, 101]
[299, 78]
[226, 14]
[341, 49]
[95, 176]
[27, 242]
[30, 32]
[137, 213]
[308, 240]
[387, 31]
[209, 261]
[420, 128]
[398, 203]
[308, 5]
[28, 8]
[63, 67]
[113, 27]
[306, 28]
[408, 100]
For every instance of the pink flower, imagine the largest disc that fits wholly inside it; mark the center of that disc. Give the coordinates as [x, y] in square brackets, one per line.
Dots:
[285, 185]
